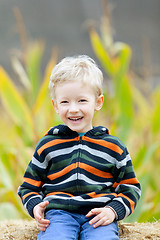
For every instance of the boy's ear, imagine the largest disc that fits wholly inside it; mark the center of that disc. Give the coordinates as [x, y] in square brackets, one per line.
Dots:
[99, 102]
[55, 106]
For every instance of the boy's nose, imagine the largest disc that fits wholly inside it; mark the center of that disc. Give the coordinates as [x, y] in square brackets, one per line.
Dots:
[73, 108]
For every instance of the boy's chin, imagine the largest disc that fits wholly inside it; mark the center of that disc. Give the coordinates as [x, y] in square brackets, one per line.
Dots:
[75, 129]
[79, 130]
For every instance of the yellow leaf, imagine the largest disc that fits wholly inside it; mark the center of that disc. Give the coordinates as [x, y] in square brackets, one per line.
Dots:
[101, 52]
[43, 92]
[14, 104]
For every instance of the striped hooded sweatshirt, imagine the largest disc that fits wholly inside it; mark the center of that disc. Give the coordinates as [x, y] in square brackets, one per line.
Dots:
[77, 173]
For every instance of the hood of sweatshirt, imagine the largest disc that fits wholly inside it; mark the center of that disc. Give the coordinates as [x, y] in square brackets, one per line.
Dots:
[63, 130]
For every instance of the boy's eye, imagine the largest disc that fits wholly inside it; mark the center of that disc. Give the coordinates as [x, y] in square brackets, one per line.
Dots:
[64, 102]
[82, 100]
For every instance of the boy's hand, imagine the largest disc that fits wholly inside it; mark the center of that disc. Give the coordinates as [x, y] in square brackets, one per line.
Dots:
[38, 212]
[104, 216]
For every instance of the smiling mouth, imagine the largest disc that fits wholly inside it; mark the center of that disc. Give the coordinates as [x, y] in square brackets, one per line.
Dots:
[75, 118]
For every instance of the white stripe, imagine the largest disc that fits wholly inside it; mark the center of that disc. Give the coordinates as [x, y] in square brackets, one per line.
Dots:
[136, 189]
[107, 157]
[100, 154]
[69, 150]
[90, 181]
[80, 177]
[73, 177]
[53, 154]
[123, 162]
[78, 198]
[63, 151]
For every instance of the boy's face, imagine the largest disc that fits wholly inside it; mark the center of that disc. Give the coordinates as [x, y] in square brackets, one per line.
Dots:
[75, 103]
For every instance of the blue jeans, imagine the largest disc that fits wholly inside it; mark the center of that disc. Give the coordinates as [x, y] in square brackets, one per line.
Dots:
[73, 226]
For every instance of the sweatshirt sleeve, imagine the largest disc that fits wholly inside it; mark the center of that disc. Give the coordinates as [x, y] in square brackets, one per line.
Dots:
[30, 190]
[126, 187]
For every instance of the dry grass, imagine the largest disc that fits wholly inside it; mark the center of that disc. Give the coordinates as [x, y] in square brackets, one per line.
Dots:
[27, 230]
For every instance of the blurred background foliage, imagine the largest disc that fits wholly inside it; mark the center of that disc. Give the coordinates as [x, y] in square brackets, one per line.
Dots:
[27, 112]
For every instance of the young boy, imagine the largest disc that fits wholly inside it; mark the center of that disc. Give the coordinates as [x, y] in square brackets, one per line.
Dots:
[80, 180]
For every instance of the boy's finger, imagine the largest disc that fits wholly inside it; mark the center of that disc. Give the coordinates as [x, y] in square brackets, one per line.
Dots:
[44, 221]
[93, 212]
[42, 224]
[42, 227]
[44, 204]
[101, 222]
[89, 214]
[95, 219]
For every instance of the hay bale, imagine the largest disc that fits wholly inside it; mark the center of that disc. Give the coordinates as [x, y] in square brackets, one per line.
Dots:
[27, 230]
[18, 230]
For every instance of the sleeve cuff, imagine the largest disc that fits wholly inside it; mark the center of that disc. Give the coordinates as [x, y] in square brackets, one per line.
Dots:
[31, 204]
[118, 208]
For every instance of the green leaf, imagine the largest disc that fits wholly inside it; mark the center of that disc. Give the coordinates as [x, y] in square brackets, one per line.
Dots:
[43, 92]
[101, 53]
[138, 159]
[15, 105]
[123, 56]
[19, 69]
[8, 211]
[150, 151]
[5, 177]
[33, 66]
[124, 99]
[156, 117]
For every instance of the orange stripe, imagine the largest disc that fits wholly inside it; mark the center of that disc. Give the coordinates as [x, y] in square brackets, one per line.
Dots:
[84, 166]
[62, 172]
[28, 194]
[95, 171]
[131, 181]
[54, 142]
[104, 143]
[55, 193]
[94, 195]
[132, 204]
[33, 182]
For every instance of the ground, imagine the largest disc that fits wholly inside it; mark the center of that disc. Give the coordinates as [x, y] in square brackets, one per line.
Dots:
[27, 230]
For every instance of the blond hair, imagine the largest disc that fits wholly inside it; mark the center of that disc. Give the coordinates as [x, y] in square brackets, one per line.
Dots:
[78, 68]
